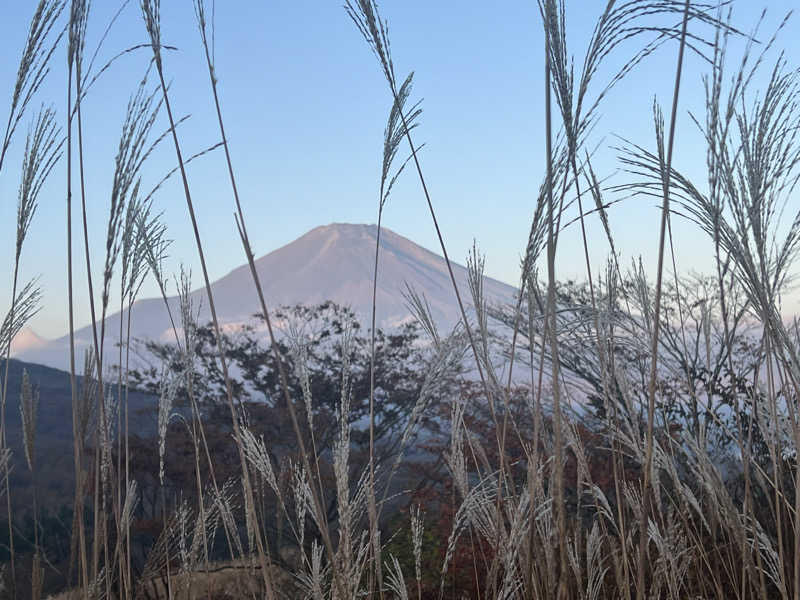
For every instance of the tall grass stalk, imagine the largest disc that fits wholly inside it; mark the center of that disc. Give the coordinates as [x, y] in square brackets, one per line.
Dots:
[42, 151]
[393, 136]
[132, 276]
[243, 235]
[29, 406]
[166, 397]
[152, 19]
[75, 42]
[188, 324]
[134, 149]
[640, 589]
[364, 13]
[558, 457]
[81, 12]
[31, 73]
[41, 154]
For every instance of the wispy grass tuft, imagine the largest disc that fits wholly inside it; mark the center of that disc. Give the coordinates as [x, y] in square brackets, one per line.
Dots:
[34, 65]
[42, 152]
[393, 137]
[26, 304]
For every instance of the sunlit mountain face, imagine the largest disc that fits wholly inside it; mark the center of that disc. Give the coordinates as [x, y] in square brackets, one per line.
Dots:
[332, 262]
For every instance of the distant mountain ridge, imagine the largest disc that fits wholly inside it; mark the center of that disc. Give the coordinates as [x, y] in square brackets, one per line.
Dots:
[54, 431]
[331, 262]
[27, 339]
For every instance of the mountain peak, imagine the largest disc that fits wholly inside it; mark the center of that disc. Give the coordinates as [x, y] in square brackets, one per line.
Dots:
[345, 227]
[27, 339]
[333, 262]
[347, 231]
[337, 261]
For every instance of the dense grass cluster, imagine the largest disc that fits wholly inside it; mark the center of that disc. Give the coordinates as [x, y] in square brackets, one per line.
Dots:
[621, 438]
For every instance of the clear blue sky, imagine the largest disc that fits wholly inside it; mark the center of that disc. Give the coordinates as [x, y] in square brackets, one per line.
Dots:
[305, 106]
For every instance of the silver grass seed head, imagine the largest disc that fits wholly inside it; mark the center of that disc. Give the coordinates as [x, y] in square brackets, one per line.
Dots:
[133, 260]
[108, 433]
[395, 580]
[189, 317]
[257, 455]
[76, 38]
[367, 19]
[317, 572]
[87, 397]
[184, 515]
[399, 120]
[224, 500]
[203, 530]
[33, 65]
[202, 24]
[42, 152]
[301, 492]
[134, 149]
[26, 305]
[138, 264]
[28, 406]
[131, 501]
[448, 358]
[154, 246]
[168, 389]
[251, 524]
[151, 12]
[341, 453]
[418, 306]
[417, 529]
[475, 269]
[299, 351]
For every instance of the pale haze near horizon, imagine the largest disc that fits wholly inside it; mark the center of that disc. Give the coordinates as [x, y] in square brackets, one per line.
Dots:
[305, 106]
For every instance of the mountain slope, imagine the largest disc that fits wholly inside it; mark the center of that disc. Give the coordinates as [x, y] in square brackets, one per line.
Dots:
[54, 449]
[333, 262]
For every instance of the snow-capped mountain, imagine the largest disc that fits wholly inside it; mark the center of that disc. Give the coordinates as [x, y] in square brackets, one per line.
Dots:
[333, 262]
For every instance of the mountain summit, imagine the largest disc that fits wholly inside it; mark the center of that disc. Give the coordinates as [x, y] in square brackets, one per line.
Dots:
[332, 262]
[336, 262]
[27, 339]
